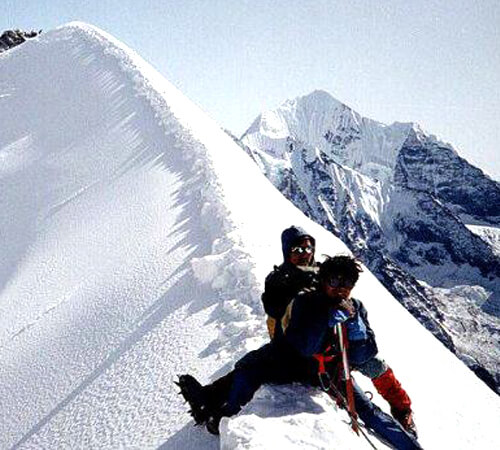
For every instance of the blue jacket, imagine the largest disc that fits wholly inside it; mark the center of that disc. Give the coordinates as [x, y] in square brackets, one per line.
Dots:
[310, 330]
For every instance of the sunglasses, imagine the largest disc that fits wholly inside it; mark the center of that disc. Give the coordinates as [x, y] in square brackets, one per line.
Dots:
[309, 250]
[340, 283]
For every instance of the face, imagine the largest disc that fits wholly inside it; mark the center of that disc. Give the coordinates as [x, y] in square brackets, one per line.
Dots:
[337, 287]
[302, 254]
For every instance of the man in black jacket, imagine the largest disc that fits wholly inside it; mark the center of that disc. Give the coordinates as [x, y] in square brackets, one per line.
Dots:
[299, 271]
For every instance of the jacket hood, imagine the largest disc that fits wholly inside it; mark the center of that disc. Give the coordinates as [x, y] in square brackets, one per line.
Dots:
[291, 237]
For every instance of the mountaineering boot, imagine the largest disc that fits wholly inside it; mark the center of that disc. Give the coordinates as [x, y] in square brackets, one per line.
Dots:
[217, 414]
[192, 391]
[216, 394]
[390, 388]
[213, 423]
[405, 418]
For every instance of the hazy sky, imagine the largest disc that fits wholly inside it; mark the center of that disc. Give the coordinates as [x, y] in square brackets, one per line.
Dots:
[435, 62]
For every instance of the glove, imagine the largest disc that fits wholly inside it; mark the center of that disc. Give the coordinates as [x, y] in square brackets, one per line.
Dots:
[337, 316]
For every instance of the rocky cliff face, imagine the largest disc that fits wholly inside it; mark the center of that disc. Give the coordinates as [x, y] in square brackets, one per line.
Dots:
[12, 38]
[401, 200]
[426, 165]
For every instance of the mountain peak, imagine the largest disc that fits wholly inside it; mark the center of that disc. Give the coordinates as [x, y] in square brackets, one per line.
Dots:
[327, 124]
[320, 97]
[316, 101]
[279, 122]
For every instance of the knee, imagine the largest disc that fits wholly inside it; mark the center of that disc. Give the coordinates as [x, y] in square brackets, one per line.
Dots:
[373, 368]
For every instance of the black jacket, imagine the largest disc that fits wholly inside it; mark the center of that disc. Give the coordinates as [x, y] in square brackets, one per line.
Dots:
[281, 286]
[287, 280]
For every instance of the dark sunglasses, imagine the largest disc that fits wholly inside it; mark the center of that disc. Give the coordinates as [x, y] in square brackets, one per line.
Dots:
[309, 250]
[340, 283]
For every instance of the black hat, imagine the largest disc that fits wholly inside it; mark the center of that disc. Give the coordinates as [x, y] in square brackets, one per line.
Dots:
[293, 236]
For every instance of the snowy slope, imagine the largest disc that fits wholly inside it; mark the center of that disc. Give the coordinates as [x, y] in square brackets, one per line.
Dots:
[491, 235]
[135, 235]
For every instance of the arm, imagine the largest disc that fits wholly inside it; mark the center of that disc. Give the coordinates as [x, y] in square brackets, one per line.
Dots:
[272, 297]
[363, 313]
[357, 325]
[308, 326]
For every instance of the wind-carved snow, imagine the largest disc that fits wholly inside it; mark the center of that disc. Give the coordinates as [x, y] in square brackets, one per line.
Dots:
[118, 186]
[135, 236]
[294, 406]
[421, 217]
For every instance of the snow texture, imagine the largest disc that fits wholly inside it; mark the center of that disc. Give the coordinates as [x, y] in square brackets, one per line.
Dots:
[135, 236]
[491, 235]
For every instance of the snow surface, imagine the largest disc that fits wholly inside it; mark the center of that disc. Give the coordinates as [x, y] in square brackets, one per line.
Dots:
[489, 234]
[135, 236]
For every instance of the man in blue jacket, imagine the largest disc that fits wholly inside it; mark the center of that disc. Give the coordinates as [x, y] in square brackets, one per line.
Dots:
[338, 277]
[294, 356]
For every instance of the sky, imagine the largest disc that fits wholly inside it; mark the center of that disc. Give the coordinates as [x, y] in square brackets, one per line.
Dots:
[434, 62]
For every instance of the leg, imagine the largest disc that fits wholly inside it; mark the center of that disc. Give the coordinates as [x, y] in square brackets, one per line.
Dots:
[226, 396]
[391, 390]
[264, 365]
[208, 403]
[217, 393]
[372, 368]
[382, 424]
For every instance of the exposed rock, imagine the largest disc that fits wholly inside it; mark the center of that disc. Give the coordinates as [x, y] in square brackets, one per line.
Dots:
[12, 38]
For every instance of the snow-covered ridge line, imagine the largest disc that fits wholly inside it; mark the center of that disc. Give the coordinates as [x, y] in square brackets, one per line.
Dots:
[321, 121]
[132, 187]
[228, 268]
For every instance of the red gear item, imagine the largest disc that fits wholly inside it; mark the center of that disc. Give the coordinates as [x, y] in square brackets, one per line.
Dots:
[390, 388]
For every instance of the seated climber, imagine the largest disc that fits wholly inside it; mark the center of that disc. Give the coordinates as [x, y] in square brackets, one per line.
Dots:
[293, 357]
[298, 271]
[363, 351]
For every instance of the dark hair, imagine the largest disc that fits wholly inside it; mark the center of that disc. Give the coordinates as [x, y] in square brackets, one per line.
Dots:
[343, 266]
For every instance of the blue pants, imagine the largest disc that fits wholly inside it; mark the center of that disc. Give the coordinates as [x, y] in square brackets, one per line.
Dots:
[382, 424]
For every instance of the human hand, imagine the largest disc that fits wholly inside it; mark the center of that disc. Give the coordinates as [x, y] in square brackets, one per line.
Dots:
[337, 316]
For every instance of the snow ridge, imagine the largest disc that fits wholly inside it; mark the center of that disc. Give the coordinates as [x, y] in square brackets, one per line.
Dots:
[135, 169]
[227, 269]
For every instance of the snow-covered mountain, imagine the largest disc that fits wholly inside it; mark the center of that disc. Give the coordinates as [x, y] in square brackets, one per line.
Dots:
[423, 219]
[134, 239]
